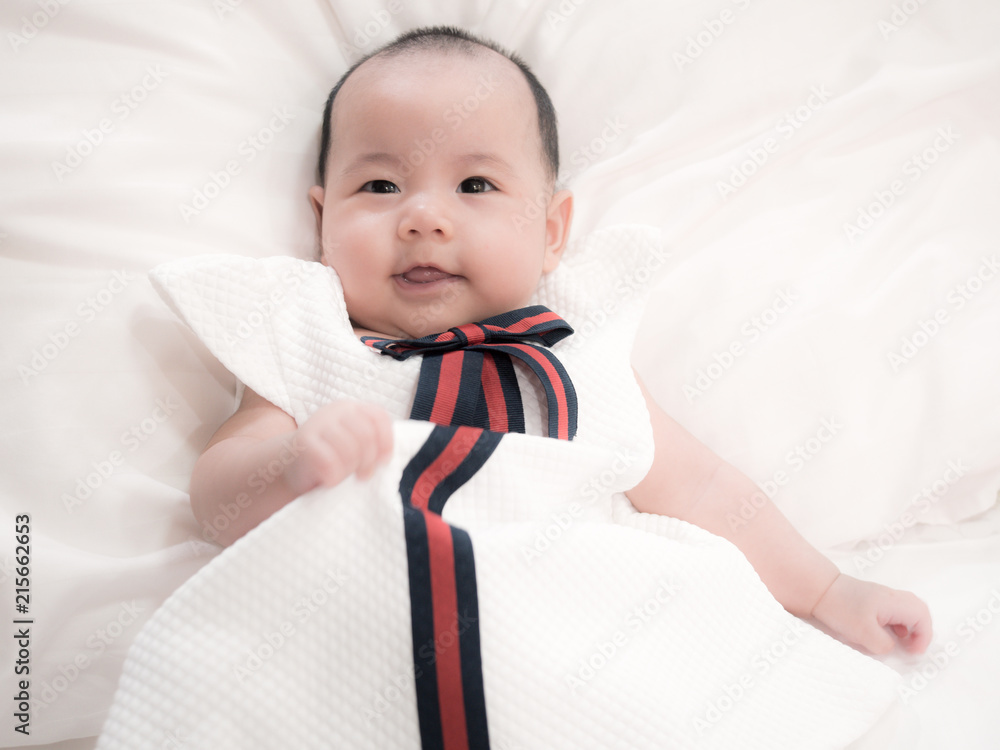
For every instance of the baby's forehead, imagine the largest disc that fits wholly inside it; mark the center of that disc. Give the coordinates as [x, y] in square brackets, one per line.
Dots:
[484, 70]
[478, 101]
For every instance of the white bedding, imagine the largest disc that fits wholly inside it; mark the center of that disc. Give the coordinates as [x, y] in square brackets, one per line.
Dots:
[117, 116]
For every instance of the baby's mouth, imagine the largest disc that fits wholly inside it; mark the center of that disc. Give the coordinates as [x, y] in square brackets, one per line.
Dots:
[424, 275]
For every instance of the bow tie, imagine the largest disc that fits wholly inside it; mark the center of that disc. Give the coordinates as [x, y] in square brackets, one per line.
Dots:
[467, 376]
[532, 324]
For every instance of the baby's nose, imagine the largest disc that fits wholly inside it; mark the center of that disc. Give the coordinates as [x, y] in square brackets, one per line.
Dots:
[425, 215]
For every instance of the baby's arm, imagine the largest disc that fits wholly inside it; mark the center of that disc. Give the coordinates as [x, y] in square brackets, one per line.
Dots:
[690, 482]
[258, 460]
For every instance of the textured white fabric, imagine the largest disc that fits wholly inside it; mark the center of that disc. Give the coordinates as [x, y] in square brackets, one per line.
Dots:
[299, 634]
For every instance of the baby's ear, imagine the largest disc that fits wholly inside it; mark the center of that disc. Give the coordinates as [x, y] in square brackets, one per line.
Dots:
[316, 195]
[558, 218]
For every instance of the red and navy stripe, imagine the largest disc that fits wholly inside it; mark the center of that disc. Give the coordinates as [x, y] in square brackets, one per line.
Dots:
[468, 389]
[467, 376]
[536, 323]
[560, 395]
[444, 608]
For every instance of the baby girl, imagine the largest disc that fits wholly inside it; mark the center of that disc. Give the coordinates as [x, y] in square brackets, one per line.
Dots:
[432, 148]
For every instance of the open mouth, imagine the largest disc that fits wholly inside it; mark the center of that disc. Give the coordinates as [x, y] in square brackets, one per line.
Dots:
[420, 275]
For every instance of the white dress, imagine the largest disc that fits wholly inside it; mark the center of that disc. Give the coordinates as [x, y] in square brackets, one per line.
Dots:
[601, 627]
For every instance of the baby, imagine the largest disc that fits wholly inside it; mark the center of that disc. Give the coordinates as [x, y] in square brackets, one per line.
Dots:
[430, 146]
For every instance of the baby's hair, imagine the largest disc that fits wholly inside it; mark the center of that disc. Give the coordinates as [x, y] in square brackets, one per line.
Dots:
[446, 39]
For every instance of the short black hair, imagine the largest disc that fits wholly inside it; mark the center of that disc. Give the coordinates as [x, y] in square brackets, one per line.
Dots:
[444, 39]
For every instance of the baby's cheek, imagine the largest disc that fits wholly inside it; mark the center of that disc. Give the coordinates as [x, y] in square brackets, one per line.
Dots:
[330, 246]
[512, 297]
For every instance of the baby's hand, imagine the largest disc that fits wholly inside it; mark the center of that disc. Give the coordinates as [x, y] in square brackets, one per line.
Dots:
[864, 614]
[340, 439]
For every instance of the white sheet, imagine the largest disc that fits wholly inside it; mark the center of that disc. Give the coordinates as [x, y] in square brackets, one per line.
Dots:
[645, 138]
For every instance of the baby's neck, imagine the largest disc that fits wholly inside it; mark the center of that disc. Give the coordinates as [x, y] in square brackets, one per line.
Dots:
[361, 332]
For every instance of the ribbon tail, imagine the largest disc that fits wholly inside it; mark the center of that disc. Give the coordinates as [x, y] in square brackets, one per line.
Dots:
[560, 393]
[444, 605]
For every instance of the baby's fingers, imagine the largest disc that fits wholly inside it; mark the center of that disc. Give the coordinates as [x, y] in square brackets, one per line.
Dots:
[366, 438]
[336, 455]
[876, 639]
[372, 429]
[909, 619]
[317, 462]
[383, 434]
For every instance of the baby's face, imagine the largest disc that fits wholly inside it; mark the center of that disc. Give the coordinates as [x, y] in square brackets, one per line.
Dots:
[437, 210]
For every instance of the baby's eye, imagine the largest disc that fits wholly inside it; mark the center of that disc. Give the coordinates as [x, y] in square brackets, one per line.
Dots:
[475, 185]
[379, 186]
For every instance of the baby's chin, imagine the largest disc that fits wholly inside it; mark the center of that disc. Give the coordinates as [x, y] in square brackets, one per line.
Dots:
[418, 324]
[411, 329]
[387, 331]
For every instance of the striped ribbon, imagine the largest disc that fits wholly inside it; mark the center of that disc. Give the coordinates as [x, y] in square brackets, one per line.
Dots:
[468, 388]
[467, 376]
[444, 606]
